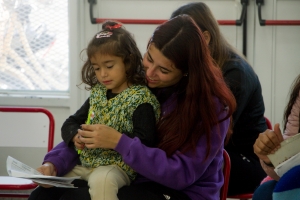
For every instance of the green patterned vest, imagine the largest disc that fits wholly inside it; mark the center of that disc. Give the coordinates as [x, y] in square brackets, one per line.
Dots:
[117, 113]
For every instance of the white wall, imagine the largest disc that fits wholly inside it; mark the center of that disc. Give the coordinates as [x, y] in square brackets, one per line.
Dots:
[276, 57]
[273, 51]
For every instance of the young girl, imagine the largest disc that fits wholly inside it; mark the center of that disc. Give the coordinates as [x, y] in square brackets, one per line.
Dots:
[119, 98]
[262, 147]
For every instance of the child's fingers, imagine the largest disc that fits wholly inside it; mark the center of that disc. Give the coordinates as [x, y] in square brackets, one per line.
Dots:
[278, 133]
[79, 145]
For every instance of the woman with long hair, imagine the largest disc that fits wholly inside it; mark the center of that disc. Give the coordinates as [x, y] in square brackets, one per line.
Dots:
[248, 119]
[196, 106]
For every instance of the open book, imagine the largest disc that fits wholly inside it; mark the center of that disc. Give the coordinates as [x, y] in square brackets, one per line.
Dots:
[287, 156]
[18, 169]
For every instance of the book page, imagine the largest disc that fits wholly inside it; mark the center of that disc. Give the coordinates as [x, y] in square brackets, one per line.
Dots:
[287, 165]
[19, 174]
[289, 147]
[13, 164]
[18, 169]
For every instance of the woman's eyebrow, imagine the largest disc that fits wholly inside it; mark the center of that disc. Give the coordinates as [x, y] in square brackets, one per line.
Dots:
[165, 68]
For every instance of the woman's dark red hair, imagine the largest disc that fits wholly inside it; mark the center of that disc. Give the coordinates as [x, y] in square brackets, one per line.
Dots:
[182, 42]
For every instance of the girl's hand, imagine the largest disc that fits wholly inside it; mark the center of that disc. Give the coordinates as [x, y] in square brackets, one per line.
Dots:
[77, 142]
[267, 143]
[99, 136]
[47, 169]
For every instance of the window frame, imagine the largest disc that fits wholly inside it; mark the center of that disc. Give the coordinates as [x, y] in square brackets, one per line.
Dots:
[58, 98]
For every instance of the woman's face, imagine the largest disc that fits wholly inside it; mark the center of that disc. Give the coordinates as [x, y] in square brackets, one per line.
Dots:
[160, 71]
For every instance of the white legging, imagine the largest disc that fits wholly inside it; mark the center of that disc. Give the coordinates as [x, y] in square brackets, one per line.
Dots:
[104, 181]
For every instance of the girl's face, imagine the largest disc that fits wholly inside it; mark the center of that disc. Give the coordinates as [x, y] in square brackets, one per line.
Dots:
[160, 71]
[110, 71]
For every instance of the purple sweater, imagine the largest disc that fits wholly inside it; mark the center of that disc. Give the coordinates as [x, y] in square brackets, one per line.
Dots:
[188, 172]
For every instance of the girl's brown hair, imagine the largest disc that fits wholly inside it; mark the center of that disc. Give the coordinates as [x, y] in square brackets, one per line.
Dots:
[113, 39]
[294, 93]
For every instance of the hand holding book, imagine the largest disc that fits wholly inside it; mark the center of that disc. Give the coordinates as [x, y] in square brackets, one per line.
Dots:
[18, 169]
[287, 156]
[268, 143]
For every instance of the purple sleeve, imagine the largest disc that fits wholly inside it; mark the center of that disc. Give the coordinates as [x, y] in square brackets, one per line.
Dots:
[64, 158]
[181, 169]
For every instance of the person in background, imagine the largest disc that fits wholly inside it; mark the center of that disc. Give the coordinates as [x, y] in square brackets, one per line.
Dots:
[268, 142]
[248, 120]
[119, 98]
[196, 106]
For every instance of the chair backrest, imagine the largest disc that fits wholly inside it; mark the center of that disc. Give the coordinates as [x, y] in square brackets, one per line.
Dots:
[29, 111]
[269, 124]
[249, 195]
[34, 110]
[226, 174]
[13, 121]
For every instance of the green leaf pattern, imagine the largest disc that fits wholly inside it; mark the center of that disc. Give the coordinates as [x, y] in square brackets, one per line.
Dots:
[117, 113]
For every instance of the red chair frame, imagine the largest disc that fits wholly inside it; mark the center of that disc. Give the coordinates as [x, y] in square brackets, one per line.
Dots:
[249, 195]
[30, 185]
[269, 124]
[226, 174]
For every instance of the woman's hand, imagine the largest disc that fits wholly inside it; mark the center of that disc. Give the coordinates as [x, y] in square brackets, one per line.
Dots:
[47, 169]
[99, 136]
[267, 143]
[77, 142]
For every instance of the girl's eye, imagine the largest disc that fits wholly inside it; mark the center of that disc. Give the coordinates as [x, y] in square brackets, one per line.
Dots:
[109, 66]
[95, 67]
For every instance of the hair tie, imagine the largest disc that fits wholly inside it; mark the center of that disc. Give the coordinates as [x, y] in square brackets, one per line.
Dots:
[104, 34]
[114, 26]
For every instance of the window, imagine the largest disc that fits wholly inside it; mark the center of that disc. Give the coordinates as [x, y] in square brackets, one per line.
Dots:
[34, 49]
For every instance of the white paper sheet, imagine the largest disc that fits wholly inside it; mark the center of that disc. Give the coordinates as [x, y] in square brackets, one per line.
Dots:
[18, 169]
[288, 164]
[289, 148]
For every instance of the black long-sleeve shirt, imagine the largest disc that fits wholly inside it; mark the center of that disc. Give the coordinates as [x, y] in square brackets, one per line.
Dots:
[144, 123]
[248, 119]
